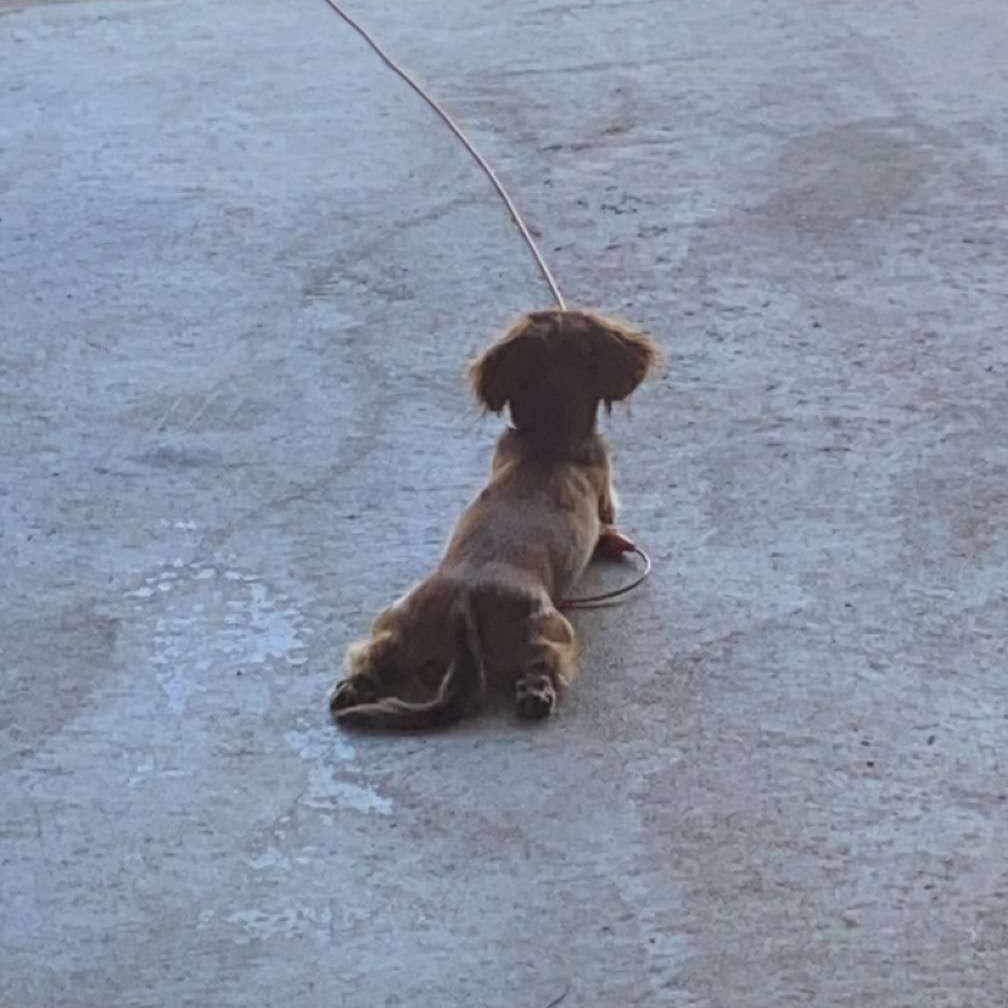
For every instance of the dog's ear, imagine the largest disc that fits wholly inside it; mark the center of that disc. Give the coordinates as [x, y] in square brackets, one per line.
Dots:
[620, 357]
[503, 367]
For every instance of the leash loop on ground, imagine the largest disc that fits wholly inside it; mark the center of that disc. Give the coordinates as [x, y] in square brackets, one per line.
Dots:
[609, 597]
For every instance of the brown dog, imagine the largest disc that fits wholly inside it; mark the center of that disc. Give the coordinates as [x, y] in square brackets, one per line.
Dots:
[488, 611]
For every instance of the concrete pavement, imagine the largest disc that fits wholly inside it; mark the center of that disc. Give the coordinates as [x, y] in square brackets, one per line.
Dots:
[241, 268]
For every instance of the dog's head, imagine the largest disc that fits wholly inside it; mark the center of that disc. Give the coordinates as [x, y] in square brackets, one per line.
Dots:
[553, 368]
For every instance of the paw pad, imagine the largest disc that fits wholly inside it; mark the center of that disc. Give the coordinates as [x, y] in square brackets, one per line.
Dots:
[535, 697]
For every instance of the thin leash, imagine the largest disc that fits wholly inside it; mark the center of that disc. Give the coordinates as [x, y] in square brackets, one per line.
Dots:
[582, 601]
[611, 597]
[446, 117]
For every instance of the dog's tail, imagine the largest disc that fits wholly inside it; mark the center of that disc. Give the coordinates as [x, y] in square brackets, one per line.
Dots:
[462, 688]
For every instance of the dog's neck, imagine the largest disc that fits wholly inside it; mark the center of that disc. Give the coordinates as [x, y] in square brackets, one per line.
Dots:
[556, 449]
[553, 423]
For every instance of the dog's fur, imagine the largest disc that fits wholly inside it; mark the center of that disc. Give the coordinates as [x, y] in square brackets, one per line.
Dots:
[488, 611]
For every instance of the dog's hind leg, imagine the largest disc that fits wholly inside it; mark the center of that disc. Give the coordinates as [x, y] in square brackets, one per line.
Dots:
[550, 665]
[368, 664]
[608, 501]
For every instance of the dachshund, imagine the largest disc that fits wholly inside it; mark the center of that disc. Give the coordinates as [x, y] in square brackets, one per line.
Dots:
[489, 611]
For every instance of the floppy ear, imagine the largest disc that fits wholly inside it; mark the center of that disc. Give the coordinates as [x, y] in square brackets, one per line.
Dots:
[503, 367]
[621, 357]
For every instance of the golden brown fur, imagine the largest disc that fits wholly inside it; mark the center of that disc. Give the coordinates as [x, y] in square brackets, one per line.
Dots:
[488, 611]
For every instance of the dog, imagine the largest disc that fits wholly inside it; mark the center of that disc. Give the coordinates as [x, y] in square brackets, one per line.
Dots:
[489, 611]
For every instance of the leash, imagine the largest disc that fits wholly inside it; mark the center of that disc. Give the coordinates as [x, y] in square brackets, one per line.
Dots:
[612, 544]
[446, 117]
[610, 597]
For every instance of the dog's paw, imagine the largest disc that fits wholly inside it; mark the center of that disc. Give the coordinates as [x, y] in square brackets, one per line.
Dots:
[351, 692]
[535, 697]
[612, 545]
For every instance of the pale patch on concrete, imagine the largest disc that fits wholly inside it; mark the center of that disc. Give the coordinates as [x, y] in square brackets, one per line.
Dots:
[319, 744]
[326, 792]
[260, 925]
[207, 625]
[269, 858]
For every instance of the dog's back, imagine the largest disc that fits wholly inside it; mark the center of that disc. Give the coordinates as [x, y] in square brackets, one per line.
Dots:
[537, 520]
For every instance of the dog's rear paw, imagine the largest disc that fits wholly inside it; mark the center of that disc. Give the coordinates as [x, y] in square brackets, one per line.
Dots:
[535, 697]
[350, 693]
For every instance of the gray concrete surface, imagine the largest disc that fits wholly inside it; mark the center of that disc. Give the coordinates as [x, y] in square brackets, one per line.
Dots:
[241, 268]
